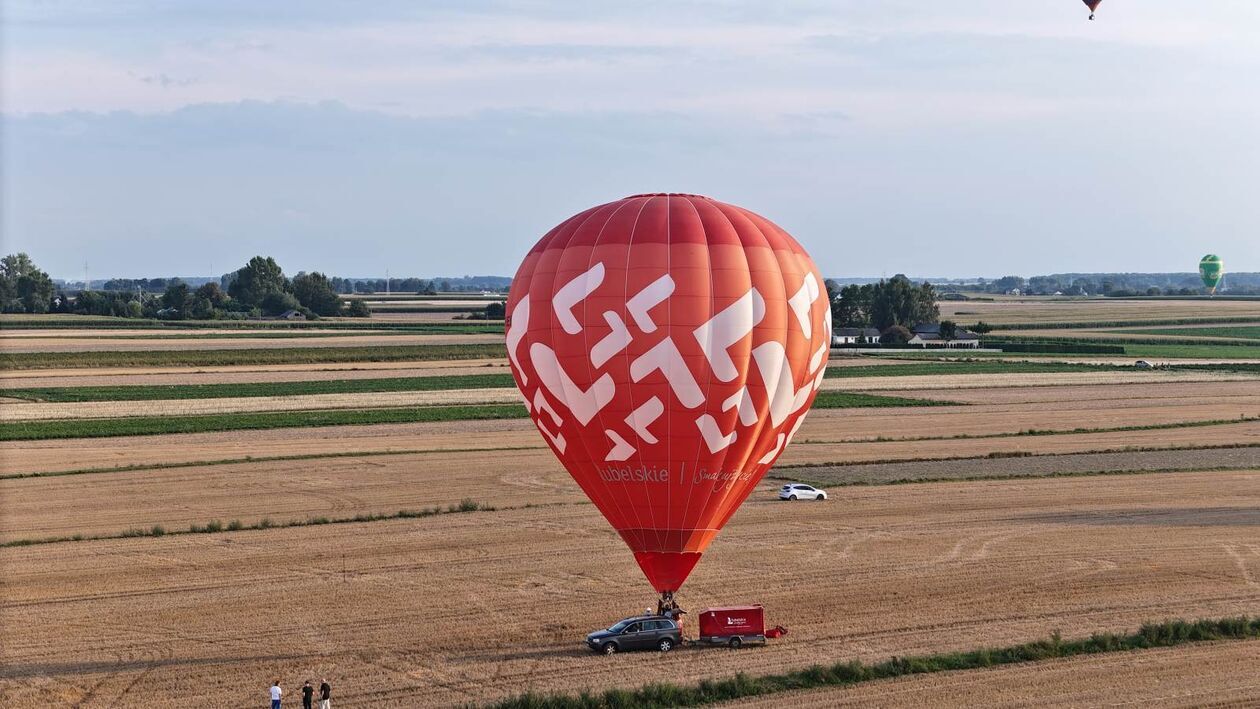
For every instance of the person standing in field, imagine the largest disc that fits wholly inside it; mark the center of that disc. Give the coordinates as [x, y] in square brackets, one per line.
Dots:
[325, 694]
[308, 694]
[275, 694]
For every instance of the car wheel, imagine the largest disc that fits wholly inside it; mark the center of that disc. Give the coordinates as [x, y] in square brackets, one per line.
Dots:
[609, 648]
[666, 645]
[792, 498]
[735, 643]
[821, 497]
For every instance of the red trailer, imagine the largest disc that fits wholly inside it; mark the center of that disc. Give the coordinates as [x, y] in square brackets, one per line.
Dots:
[733, 626]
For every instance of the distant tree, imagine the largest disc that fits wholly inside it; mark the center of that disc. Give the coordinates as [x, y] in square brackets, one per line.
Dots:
[496, 311]
[24, 288]
[981, 327]
[895, 335]
[213, 294]
[277, 302]
[852, 306]
[444, 286]
[315, 291]
[949, 330]
[176, 297]
[1007, 283]
[358, 309]
[260, 278]
[1153, 290]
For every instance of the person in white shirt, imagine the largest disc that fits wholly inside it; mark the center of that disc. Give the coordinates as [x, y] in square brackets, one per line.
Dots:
[275, 695]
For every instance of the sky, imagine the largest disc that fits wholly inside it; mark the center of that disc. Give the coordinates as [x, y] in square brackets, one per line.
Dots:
[947, 139]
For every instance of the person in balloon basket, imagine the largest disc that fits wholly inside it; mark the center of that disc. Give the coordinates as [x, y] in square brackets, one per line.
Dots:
[275, 694]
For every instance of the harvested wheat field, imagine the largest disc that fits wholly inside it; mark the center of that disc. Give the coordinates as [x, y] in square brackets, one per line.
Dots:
[1211, 675]
[1003, 311]
[900, 570]
[283, 491]
[1018, 410]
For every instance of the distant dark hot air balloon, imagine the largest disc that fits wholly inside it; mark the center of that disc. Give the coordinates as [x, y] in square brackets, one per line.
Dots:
[1211, 269]
[1093, 6]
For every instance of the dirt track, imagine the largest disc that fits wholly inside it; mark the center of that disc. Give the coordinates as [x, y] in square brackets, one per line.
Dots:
[897, 570]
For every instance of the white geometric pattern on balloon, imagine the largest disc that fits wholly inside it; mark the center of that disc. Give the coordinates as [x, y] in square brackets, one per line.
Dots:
[714, 336]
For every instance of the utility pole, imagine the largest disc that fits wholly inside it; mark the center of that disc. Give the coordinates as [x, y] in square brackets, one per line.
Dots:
[387, 281]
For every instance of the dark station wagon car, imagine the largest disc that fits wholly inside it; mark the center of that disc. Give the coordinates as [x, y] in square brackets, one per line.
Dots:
[644, 632]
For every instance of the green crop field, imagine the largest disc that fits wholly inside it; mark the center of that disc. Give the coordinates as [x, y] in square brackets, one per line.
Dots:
[200, 358]
[1244, 332]
[149, 425]
[219, 391]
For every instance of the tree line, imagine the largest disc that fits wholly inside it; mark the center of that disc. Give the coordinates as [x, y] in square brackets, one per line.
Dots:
[893, 306]
[259, 288]
[1116, 285]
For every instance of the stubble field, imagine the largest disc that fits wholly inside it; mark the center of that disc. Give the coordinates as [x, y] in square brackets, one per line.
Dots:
[459, 608]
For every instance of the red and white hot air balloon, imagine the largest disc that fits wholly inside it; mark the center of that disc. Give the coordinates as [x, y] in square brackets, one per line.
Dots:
[668, 347]
[1093, 6]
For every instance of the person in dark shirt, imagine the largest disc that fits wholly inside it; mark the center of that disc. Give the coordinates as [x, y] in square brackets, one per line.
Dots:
[308, 694]
[325, 694]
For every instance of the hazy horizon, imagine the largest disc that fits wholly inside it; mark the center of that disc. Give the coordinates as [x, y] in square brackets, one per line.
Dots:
[986, 138]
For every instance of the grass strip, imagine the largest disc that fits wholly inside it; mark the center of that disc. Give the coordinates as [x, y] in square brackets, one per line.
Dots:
[255, 389]
[659, 695]
[277, 355]
[855, 400]
[216, 526]
[202, 423]
[153, 425]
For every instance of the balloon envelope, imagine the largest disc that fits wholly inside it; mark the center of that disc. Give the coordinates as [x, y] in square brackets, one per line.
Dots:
[668, 347]
[1211, 269]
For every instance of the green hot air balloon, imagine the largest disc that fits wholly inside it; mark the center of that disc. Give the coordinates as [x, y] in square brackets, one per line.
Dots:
[1211, 269]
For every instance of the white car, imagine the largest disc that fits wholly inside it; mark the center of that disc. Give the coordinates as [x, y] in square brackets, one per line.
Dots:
[799, 491]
